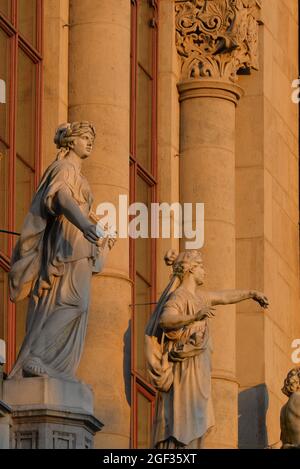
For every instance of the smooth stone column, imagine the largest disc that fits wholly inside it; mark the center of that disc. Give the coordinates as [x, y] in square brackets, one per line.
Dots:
[99, 74]
[207, 175]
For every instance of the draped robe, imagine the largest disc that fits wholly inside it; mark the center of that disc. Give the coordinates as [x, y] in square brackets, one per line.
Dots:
[52, 263]
[184, 413]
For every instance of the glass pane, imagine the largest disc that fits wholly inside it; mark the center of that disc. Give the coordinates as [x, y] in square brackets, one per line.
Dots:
[24, 191]
[27, 19]
[3, 197]
[3, 303]
[143, 245]
[144, 422]
[4, 85]
[141, 316]
[21, 314]
[26, 108]
[5, 7]
[143, 119]
[145, 35]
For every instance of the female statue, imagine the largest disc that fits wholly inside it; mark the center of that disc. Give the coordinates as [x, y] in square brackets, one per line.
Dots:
[54, 259]
[290, 412]
[178, 351]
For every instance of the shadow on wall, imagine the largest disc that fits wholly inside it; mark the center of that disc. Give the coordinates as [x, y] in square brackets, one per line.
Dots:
[253, 405]
[127, 362]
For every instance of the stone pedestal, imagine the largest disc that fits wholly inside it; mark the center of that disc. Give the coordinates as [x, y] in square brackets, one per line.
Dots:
[48, 413]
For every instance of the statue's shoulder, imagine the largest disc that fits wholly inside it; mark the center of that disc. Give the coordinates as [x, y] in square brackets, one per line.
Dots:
[62, 165]
[177, 300]
[184, 294]
[205, 297]
[179, 295]
[57, 172]
[60, 169]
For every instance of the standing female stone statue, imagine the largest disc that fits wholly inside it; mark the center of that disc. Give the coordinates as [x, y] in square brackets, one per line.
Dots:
[178, 351]
[54, 259]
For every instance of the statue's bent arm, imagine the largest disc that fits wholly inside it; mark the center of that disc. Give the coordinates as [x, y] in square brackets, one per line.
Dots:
[171, 319]
[66, 205]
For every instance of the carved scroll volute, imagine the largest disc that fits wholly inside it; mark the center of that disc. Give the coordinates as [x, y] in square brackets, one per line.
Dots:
[216, 38]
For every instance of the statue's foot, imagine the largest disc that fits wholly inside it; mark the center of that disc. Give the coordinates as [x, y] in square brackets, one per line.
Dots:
[33, 367]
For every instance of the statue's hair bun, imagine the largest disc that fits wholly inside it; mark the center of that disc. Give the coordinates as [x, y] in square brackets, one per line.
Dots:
[170, 257]
[62, 133]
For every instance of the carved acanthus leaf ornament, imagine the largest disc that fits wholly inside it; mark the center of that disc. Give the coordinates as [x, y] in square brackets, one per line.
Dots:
[216, 38]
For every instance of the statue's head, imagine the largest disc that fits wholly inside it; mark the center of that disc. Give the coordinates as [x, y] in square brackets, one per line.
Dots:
[186, 263]
[292, 382]
[77, 136]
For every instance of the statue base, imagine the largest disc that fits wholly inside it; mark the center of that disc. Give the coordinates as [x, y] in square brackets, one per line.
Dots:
[49, 413]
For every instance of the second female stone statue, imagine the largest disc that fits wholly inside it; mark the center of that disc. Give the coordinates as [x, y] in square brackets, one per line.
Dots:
[54, 259]
[178, 352]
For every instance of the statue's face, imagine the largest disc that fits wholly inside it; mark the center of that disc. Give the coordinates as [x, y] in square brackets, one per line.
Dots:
[199, 273]
[83, 145]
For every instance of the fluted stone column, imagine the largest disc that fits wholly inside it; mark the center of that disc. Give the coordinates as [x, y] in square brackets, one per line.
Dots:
[99, 73]
[214, 40]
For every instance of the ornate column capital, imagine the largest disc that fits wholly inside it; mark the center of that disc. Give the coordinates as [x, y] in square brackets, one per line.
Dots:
[216, 39]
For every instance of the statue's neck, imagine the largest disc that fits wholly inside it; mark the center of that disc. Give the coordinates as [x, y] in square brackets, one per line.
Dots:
[189, 284]
[75, 159]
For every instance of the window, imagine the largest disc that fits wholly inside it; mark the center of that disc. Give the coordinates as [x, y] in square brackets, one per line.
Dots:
[20, 130]
[143, 183]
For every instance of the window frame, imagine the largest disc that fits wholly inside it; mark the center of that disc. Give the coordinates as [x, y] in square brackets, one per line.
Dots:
[142, 387]
[138, 382]
[18, 41]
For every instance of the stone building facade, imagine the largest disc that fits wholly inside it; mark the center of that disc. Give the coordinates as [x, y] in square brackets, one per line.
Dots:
[181, 116]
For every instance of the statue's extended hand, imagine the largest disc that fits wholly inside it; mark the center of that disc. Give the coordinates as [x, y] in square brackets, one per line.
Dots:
[111, 242]
[261, 299]
[206, 312]
[90, 234]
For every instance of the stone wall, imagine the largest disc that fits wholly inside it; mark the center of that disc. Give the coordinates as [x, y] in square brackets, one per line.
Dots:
[267, 225]
[168, 128]
[55, 99]
[86, 64]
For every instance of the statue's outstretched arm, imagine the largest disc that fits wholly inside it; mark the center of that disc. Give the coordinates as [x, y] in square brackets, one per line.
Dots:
[226, 297]
[66, 205]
